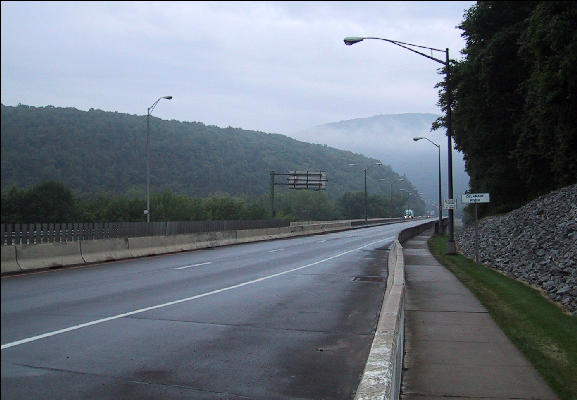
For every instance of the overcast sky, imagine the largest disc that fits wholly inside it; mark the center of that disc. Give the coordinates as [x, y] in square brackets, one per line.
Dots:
[277, 67]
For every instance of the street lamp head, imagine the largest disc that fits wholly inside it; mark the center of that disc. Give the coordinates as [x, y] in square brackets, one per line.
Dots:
[167, 97]
[418, 138]
[350, 40]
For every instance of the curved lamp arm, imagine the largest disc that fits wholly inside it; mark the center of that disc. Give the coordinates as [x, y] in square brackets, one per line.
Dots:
[156, 102]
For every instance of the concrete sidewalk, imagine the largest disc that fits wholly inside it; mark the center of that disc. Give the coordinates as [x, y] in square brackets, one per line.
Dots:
[453, 348]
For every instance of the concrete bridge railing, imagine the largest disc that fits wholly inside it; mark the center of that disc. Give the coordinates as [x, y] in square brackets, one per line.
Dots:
[28, 257]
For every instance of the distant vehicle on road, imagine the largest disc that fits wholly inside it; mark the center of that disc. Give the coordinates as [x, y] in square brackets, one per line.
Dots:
[409, 214]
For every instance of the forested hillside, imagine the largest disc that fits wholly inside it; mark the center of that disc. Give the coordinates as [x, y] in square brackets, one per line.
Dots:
[99, 151]
[515, 96]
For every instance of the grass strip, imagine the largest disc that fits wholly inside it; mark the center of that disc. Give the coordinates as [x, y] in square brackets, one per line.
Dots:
[538, 327]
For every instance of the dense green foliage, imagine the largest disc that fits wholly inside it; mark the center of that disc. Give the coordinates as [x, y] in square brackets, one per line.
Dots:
[514, 96]
[537, 326]
[97, 151]
[49, 202]
[52, 202]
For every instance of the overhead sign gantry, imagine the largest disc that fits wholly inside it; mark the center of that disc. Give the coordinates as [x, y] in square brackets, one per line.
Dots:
[297, 180]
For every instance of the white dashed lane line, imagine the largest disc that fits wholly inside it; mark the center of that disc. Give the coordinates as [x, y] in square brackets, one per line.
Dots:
[194, 265]
[179, 301]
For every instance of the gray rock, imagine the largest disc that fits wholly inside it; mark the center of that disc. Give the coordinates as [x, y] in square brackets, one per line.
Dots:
[536, 243]
[548, 285]
[564, 289]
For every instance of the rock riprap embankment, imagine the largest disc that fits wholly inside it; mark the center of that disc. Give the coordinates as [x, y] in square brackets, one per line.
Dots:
[536, 244]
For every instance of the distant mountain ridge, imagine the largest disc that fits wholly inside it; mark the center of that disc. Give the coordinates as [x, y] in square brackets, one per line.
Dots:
[415, 119]
[389, 137]
[93, 151]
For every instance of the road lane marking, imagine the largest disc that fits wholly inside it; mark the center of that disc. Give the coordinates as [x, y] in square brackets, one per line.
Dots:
[275, 250]
[194, 265]
[171, 303]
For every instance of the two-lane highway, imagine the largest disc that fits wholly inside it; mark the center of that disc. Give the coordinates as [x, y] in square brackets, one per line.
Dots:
[277, 319]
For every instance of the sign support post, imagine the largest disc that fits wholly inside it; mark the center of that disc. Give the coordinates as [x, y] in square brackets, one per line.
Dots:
[476, 198]
[272, 212]
[297, 180]
[476, 236]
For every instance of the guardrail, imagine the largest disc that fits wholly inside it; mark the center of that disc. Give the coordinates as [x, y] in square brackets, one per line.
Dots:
[16, 234]
[33, 251]
[34, 256]
[373, 221]
[28, 234]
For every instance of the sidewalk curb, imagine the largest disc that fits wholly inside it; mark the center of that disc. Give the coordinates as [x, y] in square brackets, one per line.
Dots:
[382, 374]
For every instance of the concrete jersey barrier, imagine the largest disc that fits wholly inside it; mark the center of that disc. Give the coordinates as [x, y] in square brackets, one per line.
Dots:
[46, 255]
[9, 262]
[94, 251]
[382, 374]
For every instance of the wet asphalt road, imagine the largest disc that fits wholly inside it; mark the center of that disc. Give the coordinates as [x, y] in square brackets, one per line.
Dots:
[282, 319]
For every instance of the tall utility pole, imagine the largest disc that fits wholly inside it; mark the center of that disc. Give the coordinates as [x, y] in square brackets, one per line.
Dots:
[366, 208]
[440, 210]
[147, 211]
[272, 212]
[379, 164]
[451, 248]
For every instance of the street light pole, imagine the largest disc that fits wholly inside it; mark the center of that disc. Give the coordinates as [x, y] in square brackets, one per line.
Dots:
[400, 180]
[390, 182]
[147, 211]
[451, 248]
[366, 212]
[440, 223]
[366, 216]
[408, 194]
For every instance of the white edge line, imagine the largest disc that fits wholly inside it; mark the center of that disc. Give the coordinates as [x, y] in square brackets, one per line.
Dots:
[198, 296]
